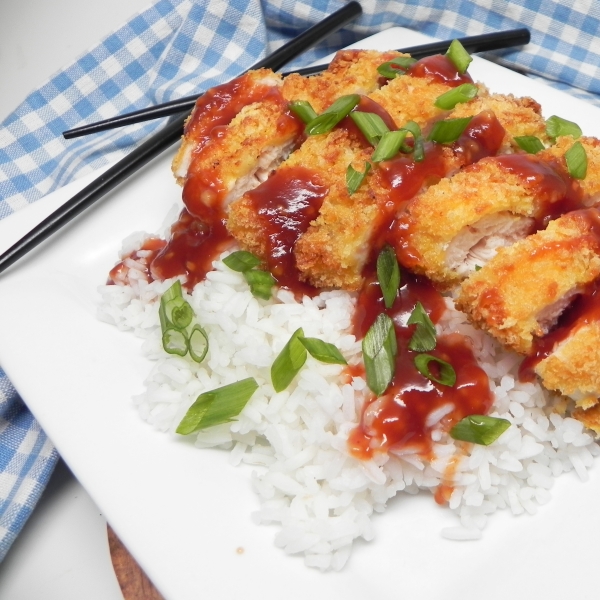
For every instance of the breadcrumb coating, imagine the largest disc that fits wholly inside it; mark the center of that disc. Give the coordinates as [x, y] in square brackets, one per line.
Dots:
[518, 295]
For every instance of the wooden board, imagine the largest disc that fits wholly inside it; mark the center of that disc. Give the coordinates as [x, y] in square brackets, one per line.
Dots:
[134, 583]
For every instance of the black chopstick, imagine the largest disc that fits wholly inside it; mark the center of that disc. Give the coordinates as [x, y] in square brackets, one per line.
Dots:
[166, 137]
[477, 43]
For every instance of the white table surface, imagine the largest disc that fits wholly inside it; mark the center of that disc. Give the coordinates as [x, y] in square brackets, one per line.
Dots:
[62, 552]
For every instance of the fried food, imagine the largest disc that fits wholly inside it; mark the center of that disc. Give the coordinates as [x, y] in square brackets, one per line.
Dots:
[519, 294]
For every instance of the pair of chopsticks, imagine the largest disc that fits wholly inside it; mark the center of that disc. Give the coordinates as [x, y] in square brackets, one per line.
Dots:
[170, 134]
[476, 43]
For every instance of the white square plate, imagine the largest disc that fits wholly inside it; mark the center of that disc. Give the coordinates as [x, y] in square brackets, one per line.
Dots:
[184, 512]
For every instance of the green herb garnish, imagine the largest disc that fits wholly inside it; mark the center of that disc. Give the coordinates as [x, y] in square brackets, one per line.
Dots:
[448, 131]
[371, 125]
[577, 161]
[355, 178]
[379, 348]
[423, 339]
[479, 429]
[459, 57]
[457, 95]
[323, 351]
[557, 127]
[396, 66]
[447, 374]
[304, 110]
[388, 274]
[530, 143]
[261, 282]
[331, 116]
[217, 406]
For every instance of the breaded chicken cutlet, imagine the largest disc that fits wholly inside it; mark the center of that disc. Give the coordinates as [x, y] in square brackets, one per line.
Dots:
[519, 294]
[490, 205]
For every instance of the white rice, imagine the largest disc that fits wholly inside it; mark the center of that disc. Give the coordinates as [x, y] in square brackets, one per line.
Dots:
[321, 497]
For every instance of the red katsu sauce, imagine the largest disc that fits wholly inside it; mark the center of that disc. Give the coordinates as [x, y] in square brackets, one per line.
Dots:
[285, 204]
[220, 104]
[143, 255]
[585, 309]
[556, 192]
[204, 192]
[398, 420]
[191, 249]
[440, 69]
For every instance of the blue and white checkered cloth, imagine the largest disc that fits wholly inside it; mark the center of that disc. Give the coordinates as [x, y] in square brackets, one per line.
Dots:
[178, 47]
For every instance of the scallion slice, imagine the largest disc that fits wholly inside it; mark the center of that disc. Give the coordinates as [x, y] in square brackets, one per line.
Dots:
[179, 312]
[379, 348]
[169, 295]
[371, 125]
[175, 341]
[331, 116]
[261, 283]
[323, 351]
[355, 178]
[448, 131]
[530, 143]
[557, 126]
[198, 343]
[304, 110]
[389, 145]
[457, 95]
[447, 374]
[217, 406]
[577, 162]
[396, 66]
[288, 362]
[460, 58]
[418, 149]
[388, 274]
[479, 429]
[423, 339]
[241, 261]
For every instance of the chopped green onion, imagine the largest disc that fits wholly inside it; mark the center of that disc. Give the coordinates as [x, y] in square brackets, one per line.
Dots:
[396, 66]
[331, 116]
[217, 406]
[530, 143]
[577, 161]
[198, 343]
[379, 348]
[175, 341]
[447, 374]
[556, 127]
[355, 178]
[479, 429]
[169, 295]
[457, 95]
[388, 274]
[288, 362]
[241, 261]
[261, 283]
[389, 145]
[418, 149]
[460, 58]
[371, 125]
[323, 351]
[423, 339]
[179, 313]
[304, 110]
[448, 131]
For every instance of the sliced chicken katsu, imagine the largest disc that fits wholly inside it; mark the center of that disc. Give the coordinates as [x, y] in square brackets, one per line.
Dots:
[519, 294]
[216, 108]
[350, 72]
[269, 220]
[487, 206]
[396, 181]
